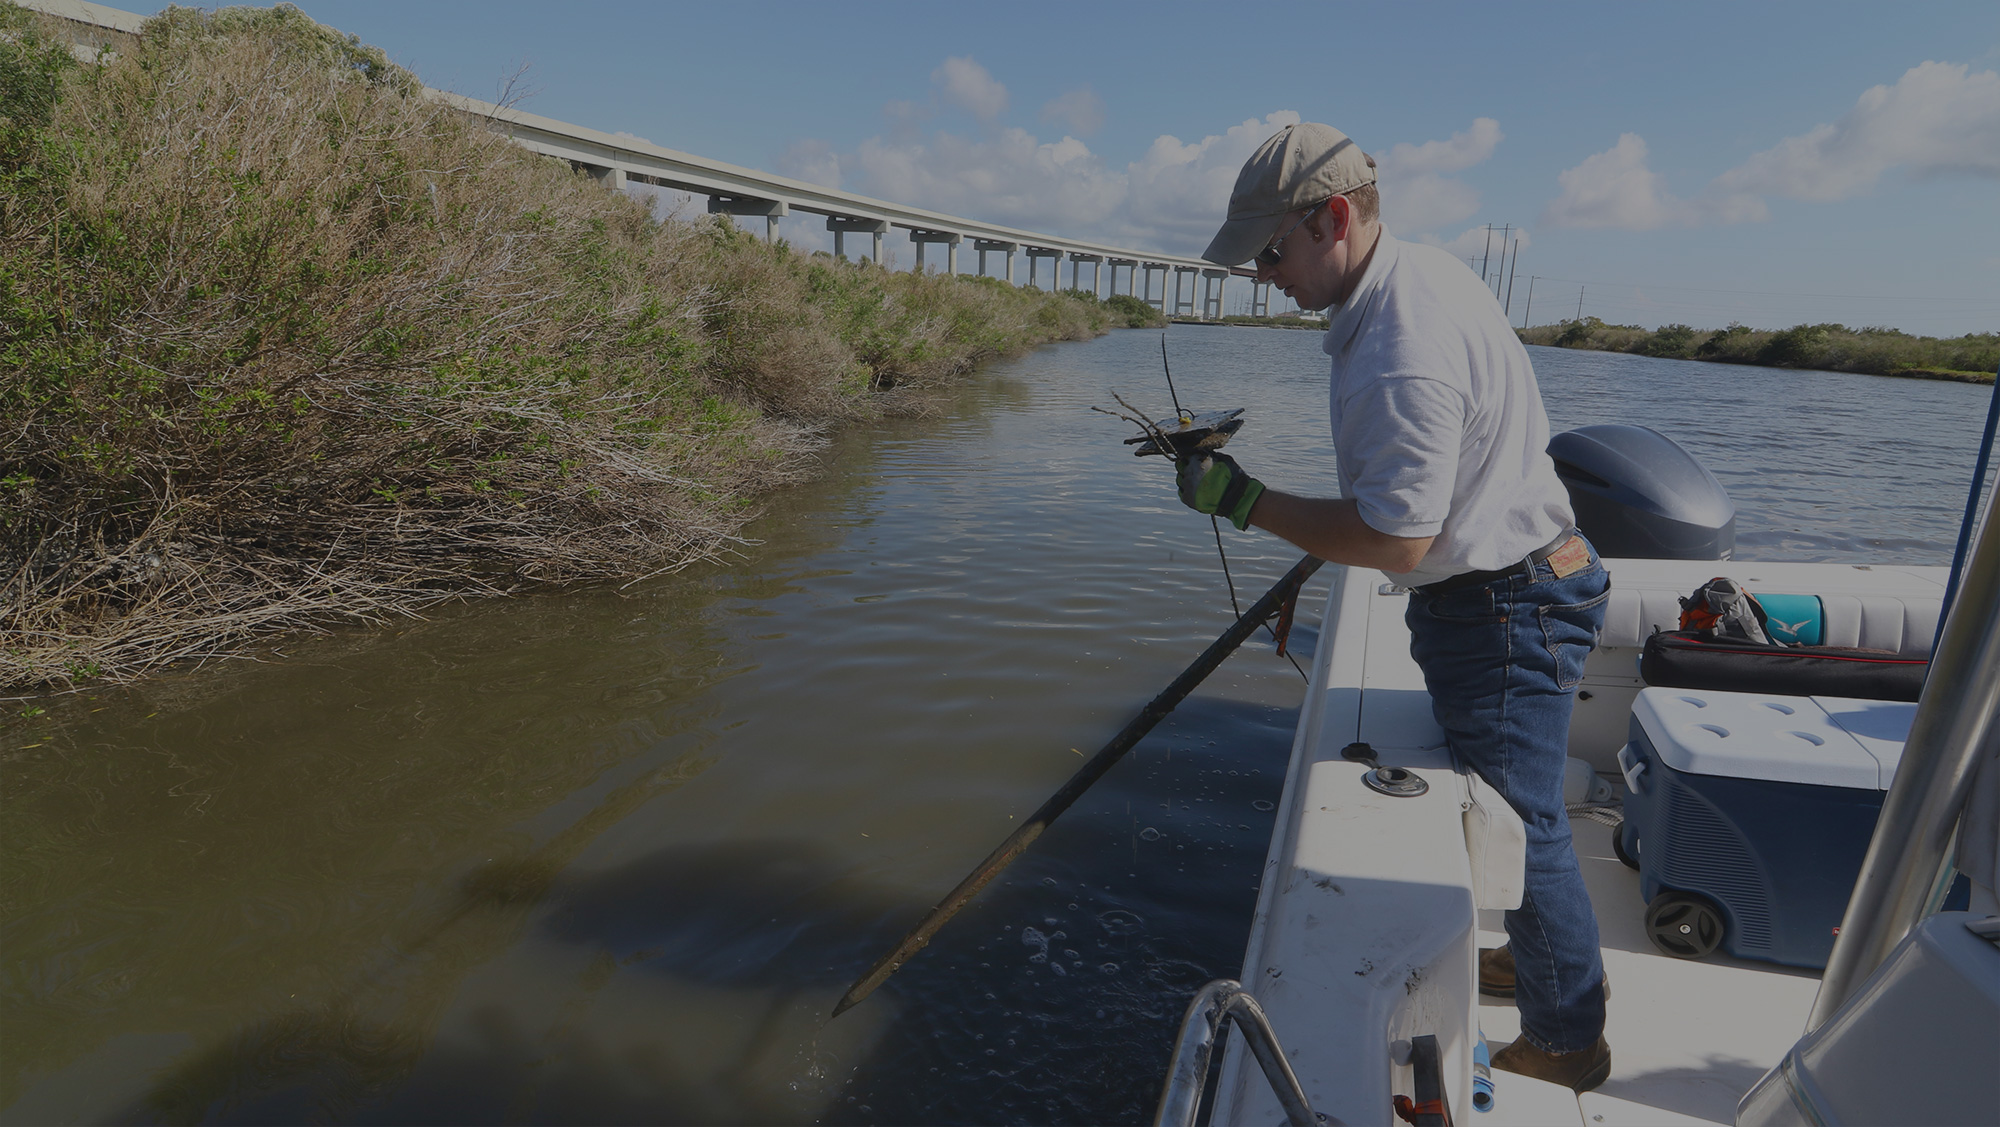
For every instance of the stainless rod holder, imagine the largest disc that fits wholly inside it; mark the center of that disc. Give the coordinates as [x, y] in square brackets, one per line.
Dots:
[1954, 721]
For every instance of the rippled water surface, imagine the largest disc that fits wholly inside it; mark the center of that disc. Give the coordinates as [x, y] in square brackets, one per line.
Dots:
[611, 856]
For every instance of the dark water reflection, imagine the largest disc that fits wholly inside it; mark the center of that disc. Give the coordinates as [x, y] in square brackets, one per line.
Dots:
[610, 857]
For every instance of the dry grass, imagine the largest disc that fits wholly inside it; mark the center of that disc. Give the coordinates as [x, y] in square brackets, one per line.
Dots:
[285, 343]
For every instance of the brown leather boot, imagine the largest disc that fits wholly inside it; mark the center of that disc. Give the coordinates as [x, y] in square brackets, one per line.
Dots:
[1496, 973]
[1579, 1071]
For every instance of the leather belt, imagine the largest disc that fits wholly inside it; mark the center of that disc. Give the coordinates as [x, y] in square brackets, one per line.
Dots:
[1480, 578]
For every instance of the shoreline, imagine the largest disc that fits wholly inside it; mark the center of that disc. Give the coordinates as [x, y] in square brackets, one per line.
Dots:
[1874, 351]
[429, 388]
[1947, 375]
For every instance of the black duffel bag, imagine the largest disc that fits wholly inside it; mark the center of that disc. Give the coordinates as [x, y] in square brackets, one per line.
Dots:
[1690, 659]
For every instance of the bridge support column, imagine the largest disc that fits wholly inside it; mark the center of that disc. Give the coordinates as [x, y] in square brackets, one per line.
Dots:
[1076, 262]
[1130, 277]
[1184, 307]
[1165, 269]
[1211, 307]
[771, 210]
[1055, 258]
[1008, 249]
[610, 177]
[950, 239]
[841, 225]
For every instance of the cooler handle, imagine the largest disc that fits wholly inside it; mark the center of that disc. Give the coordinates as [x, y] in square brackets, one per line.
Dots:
[1633, 767]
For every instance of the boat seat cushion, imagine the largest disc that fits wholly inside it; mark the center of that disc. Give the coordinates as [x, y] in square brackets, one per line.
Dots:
[1875, 622]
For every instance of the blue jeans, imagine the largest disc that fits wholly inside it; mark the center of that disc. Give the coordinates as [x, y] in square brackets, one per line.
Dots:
[1502, 661]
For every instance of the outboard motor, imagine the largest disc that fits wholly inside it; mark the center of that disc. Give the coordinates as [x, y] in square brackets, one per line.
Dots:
[1637, 495]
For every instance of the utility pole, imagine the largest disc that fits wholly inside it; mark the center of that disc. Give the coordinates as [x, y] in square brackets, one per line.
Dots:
[1486, 254]
[1579, 303]
[1530, 306]
[1504, 232]
[1508, 308]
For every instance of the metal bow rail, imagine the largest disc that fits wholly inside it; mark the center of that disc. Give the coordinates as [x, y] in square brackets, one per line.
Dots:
[1187, 1074]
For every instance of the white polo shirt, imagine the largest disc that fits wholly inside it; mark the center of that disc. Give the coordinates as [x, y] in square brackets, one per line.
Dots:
[1437, 420]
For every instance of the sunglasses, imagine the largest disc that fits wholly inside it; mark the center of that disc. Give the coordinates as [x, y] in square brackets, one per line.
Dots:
[1270, 256]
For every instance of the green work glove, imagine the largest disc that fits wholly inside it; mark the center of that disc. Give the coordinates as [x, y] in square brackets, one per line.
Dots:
[1216, 485]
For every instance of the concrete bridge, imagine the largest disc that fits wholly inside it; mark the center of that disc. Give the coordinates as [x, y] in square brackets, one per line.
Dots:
[1187, 287]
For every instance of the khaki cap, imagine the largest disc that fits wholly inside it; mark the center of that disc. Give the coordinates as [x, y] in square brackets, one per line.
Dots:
[1298, 167]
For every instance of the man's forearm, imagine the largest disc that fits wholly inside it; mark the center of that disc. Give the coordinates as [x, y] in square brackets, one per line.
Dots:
[1334, 531]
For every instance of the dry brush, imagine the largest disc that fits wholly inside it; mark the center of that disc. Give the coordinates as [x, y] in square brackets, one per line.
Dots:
[284, 343]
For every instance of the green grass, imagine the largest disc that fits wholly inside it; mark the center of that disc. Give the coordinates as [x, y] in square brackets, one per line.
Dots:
[1824, 347]
[285, 343]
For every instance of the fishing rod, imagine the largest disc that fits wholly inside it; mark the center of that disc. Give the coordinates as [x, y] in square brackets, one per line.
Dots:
[1276, 601]
[1189, 436]
[1971, 509]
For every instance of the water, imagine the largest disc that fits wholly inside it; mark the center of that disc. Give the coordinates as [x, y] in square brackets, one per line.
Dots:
[611, 856]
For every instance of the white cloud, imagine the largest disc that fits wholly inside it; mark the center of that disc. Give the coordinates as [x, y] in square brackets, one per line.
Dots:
[1081, 110]
[1179, 191]
[1172, 198]
[1938, 119]
[1426, 202]
[1614, 188]
[813, 161]
[970, 87]
[1417, 195]
[1455, 154]
[1010, 178]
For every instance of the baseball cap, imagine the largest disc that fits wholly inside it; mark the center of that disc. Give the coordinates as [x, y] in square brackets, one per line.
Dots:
[1296, 168]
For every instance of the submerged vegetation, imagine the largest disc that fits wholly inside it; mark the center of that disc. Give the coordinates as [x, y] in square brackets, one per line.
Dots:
[285, 342]
[1826, 347]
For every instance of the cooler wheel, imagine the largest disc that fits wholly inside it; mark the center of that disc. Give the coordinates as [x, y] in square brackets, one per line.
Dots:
[1627, 854]
[1684, 925]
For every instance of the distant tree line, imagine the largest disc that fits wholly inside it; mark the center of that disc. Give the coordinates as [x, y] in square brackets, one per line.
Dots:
[1826, 347]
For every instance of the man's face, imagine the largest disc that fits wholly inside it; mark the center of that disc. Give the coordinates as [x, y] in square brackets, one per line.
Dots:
[1314, 255]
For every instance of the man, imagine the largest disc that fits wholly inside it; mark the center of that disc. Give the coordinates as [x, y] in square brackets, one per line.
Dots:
[1445, 484]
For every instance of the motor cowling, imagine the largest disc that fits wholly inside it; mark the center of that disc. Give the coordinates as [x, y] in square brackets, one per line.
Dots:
[1638, 495]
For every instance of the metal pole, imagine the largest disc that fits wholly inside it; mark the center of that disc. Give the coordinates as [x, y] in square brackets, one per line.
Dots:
[1579, 303]
[1954, 722]
[1530, 306]
[1201, 1028]
[1508, 309]
[1486, 254]
[1017, 843]
[1971, 502]
[1504, 232]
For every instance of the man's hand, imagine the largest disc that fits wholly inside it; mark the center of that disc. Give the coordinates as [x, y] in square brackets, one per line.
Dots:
[1215, 484]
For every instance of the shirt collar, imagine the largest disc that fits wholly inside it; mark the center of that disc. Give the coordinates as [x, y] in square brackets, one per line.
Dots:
[1344, 321]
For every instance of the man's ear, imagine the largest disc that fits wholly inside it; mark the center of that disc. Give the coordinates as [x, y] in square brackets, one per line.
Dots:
[1332, 221]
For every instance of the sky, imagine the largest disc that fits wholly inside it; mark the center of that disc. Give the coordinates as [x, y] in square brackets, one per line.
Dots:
[1764, 163]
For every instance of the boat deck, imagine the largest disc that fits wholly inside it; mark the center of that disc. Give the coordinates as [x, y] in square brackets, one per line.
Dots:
[1367, 926]
[1746, 1014]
